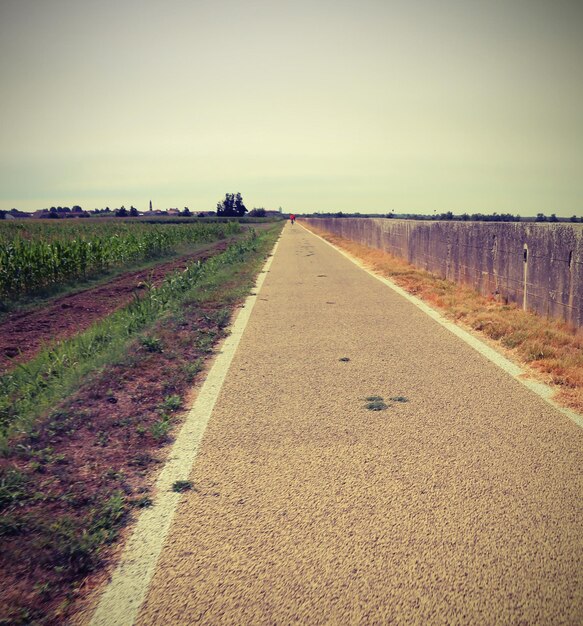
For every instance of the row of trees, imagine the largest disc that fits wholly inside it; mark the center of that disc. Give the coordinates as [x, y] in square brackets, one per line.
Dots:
[465, 217]
[231, 206]
[63, 210]
[497, 217]
[55, 213]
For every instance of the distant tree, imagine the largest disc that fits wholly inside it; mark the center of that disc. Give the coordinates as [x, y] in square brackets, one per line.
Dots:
[574, 218]
[227, 206]
[257, 212]
[446, 216]
[123, 212]
[186, 212]
[541, 217]
[553, 218]
[76, 209]
[231, 206]
[240, 208]
[2, 215]
[134, 212]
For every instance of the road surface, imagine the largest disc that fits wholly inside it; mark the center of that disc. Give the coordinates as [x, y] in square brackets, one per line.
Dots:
[461, 503]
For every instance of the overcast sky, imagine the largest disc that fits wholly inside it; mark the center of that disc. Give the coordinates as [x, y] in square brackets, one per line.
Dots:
[327, 105]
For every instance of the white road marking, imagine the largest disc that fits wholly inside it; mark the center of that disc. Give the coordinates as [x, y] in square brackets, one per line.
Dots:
[541, 389]
[124, 595]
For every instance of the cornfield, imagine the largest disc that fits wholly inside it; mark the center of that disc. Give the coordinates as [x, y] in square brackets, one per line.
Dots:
[37, 256]
[31, 387]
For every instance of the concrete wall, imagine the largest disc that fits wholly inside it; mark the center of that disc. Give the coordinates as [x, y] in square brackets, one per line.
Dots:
[538, 266]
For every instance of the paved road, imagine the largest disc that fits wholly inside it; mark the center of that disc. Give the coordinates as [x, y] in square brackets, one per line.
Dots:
[461, 505]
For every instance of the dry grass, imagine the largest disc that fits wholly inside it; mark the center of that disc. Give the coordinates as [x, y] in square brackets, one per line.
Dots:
[548, 349]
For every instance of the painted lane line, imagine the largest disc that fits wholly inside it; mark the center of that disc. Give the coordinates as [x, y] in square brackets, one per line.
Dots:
[125, 593]
[541, 389]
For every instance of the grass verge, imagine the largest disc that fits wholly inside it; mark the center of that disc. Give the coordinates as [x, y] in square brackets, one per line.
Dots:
[550, 350]
[73, 473]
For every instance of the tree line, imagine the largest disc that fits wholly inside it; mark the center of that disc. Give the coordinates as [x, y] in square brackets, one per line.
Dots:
[450, 216]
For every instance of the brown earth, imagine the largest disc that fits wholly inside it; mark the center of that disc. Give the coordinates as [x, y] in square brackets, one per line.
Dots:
[24, 334]
[100, 442]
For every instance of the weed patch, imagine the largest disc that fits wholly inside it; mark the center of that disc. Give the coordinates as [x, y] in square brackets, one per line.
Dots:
[193, 368]
[13, 487]
[375, 403]
[160, 429]
[142, 502]
[151, 344]
[181, 485]
[171, 403]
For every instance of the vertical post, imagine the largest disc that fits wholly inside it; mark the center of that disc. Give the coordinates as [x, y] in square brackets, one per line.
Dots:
[525, 277]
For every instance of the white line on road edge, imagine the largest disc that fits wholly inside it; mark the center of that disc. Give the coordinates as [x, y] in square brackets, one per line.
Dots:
[123, 597]
[542, 390]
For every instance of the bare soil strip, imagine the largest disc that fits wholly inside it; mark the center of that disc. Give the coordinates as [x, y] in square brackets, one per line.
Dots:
[23, 334]
[460, 502]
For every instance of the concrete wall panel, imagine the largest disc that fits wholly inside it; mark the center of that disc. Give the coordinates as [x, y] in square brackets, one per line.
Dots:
[538, 266]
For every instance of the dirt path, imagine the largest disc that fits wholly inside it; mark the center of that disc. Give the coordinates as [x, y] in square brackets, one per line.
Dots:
[460, 505]
[22, 335]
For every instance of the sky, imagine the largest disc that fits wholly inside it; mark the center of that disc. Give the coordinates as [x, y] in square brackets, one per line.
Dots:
[312, 105]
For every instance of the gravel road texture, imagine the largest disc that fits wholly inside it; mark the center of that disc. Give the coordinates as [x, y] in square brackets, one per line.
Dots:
[461, 504]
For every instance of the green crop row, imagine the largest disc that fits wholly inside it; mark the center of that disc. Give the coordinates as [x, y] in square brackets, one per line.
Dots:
[40, 256]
